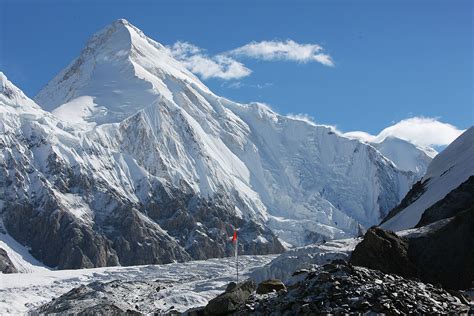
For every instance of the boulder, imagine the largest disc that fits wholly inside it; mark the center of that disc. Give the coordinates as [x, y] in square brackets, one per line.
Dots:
[231, 299]
[385, 251]
[268, 286]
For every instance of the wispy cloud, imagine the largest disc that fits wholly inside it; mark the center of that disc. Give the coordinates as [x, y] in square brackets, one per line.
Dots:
[240, 84]
[422, 131]
[284, 50]
[226, 66]
[197, 61]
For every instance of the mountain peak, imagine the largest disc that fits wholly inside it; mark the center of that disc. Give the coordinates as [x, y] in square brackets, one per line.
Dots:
[13, 97]
[119, 72]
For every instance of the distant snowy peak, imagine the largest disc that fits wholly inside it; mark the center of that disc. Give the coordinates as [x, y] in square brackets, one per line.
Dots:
[448, 170]
[405, 155]
[118, 73]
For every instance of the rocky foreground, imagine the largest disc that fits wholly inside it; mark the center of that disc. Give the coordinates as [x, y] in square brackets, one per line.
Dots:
[341, 288]
[337, 287]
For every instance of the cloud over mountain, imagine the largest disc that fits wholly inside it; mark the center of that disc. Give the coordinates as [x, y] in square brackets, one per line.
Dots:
[422, 131]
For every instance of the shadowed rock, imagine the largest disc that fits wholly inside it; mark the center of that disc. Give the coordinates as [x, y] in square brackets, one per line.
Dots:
[385, 251]
[446, 256]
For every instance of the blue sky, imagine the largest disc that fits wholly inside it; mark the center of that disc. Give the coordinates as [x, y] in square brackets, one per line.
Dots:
[392, 59]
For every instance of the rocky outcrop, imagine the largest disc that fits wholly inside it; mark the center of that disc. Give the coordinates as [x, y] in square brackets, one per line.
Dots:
[385, 251]
[456, 201]
[340, 288]
[441, 254]
[232, 299]
[446, 255]
[269, 286]
[6, 265]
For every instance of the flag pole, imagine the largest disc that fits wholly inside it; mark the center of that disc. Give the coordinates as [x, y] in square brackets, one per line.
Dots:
[235, 241]
[237, 257]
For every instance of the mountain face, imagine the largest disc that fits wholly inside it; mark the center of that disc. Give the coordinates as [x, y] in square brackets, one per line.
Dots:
[140, 163]
[445, 189]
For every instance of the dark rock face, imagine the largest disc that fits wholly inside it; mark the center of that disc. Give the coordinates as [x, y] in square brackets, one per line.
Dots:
[340, 288]
[270, 286]
[385, 251]
[6, 265]
[229, 301]
[58, 239]
[456, 201]
[446, 256]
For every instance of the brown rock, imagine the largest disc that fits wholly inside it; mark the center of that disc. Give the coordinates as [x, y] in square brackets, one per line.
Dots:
[269, 286]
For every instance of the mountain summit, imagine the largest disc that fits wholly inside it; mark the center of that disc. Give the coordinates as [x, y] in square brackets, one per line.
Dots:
[119, 72]
[140, 162]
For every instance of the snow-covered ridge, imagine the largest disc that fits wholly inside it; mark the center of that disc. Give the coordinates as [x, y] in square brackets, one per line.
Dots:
[119, 72]
[448, 170]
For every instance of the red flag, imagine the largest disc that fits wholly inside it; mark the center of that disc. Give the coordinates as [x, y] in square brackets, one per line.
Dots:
[234, 238]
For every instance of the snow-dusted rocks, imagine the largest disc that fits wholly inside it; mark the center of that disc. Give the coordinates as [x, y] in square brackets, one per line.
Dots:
[140, 162]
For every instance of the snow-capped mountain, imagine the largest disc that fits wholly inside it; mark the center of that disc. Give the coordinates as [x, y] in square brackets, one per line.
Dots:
[447, 172]
[139, 162]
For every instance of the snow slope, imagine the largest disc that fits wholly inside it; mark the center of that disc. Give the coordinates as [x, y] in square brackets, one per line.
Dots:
[303, 181]
[449, 169]
[187, 285]
[21, 258]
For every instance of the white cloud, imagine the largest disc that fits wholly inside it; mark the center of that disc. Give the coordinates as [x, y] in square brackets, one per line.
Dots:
[287, 50]
[226, 67]
[422, 131]
[198, 62]
[366, 137]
